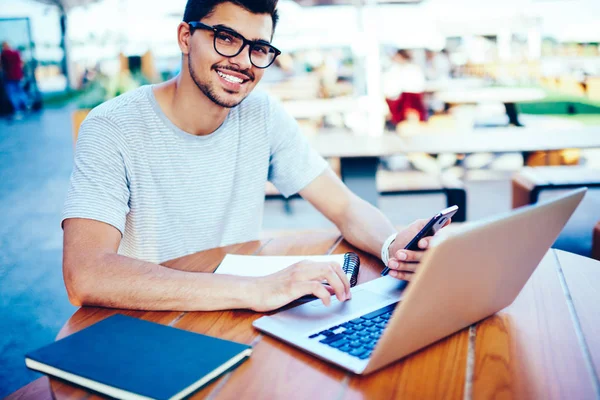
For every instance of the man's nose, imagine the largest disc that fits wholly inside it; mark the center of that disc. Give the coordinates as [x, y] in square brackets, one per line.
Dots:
[242, 60]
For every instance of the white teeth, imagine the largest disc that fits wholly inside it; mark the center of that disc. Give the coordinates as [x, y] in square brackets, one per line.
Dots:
[229, 78]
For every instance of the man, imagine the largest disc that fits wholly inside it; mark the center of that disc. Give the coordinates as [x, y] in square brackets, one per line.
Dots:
[180, 167]
[12, 67]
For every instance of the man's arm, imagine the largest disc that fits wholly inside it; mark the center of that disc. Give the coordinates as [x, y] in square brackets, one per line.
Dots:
[95, 275]
[362, 224]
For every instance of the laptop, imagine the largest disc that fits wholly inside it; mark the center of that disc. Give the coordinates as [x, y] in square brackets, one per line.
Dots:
[475, 272]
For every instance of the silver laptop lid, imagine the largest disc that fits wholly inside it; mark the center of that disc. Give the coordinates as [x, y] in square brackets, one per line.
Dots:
[472, 274]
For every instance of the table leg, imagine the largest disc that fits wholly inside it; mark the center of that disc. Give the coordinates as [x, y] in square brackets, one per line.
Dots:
[359, 174]
[512, 113]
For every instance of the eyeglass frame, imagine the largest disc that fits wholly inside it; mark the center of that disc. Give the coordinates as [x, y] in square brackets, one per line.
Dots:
[200, 25]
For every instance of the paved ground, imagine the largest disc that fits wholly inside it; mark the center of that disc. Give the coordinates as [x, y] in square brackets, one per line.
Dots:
[35, 164]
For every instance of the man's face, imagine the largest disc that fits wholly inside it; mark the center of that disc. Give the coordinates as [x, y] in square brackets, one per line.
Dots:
[218, 76]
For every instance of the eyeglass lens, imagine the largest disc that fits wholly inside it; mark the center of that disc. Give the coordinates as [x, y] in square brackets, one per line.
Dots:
[229, 44]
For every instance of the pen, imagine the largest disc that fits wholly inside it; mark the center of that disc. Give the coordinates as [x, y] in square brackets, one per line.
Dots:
[385, 271]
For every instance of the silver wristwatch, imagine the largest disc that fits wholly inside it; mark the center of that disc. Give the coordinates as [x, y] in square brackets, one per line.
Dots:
[385, 249]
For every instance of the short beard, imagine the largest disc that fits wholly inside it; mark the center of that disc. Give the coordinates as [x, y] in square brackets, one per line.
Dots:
[207, 90]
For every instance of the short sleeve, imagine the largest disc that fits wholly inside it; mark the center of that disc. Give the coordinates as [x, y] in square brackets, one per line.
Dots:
[293, 162]
[99, 187]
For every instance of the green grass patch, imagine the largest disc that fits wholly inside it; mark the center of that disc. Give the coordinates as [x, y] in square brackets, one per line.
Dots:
[560, 104]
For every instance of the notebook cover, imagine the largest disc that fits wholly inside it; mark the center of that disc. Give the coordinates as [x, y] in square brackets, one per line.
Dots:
[138, 356]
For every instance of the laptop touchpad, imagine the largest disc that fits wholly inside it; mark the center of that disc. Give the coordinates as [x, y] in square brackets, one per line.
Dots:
[315, 313]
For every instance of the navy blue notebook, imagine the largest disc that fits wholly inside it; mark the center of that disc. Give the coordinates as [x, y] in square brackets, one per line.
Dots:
[129, 358]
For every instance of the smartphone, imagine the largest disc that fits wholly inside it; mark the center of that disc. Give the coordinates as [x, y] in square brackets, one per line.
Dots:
[433, 225]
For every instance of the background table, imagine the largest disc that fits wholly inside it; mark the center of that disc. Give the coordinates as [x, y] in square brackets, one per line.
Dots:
[545, 345]
[360, 154]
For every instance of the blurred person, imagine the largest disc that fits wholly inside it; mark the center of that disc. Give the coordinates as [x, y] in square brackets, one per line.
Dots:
[437, 65]
[12, 68]
[179, 167]
[404, 84]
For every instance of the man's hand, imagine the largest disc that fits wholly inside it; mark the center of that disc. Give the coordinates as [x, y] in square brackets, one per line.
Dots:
[403, 263]
[303, 278]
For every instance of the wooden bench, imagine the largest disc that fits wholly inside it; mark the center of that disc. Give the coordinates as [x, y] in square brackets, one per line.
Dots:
[529, 182]
[417, 182]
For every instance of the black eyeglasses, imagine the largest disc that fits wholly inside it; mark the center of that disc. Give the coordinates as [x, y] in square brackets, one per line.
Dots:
[229, 43]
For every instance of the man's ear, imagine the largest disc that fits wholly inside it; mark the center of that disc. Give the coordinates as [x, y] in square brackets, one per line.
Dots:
[184, 37]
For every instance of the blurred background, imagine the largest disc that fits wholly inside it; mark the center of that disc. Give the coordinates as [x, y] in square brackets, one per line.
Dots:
[487, 100]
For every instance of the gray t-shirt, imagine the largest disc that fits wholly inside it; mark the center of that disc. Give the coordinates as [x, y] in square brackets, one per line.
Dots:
[171, 193]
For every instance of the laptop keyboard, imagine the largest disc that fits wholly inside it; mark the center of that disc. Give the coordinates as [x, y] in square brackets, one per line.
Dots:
[359, 336]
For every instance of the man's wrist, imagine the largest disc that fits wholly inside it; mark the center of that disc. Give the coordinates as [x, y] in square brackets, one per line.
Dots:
[250, 293]
[385, 249]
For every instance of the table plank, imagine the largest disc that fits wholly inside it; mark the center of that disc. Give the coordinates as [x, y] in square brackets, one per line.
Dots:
[277, 370]
[517, 351]
[36, 390]
[437, 371]
[269, 356]
[582, 276]
[434, 372]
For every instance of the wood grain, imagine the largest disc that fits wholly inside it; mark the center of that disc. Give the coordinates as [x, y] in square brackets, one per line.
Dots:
[279, 371]
[582, 276]
[530, 349]
[436, 372]
[36, 390]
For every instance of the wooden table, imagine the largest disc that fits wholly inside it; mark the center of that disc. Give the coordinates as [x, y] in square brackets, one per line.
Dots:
[359, 154]
[344, 144]
[546, 345]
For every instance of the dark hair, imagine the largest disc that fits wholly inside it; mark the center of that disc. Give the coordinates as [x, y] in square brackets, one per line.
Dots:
[404, 54]
[195, 10]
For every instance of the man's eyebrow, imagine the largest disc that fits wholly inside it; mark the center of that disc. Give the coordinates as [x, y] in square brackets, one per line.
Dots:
[261, 40]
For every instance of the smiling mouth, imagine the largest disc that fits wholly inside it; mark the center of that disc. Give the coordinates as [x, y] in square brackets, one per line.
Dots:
[231, 78]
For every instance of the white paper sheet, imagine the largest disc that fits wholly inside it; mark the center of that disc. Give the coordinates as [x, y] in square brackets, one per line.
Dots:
[266, 265]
